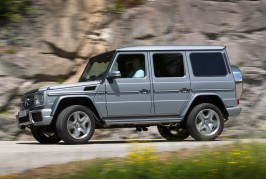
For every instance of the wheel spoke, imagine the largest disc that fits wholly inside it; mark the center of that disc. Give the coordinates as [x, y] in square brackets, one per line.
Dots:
[76, 117]
[208, 129]
[207, 122]
[84, 119]
[78, 124]
[70, 125]
[210, 115]
[203, 126]
[76, 132]
[200, 126]
[201, 116]
[83, 131]
[214, 123]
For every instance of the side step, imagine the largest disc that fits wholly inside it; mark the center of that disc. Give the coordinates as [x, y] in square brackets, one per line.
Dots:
[141, 121]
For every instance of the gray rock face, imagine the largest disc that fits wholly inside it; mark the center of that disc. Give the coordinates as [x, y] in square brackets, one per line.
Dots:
[8, 89]
[78, 29]
[239, 25]
[29, 64]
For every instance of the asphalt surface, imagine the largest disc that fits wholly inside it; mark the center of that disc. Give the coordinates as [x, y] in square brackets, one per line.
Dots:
[17, 156]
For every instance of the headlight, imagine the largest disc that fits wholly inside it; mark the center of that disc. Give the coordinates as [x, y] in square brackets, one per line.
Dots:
[38, 99]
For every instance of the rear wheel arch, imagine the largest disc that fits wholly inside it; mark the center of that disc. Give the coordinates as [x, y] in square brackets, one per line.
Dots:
[212, 99]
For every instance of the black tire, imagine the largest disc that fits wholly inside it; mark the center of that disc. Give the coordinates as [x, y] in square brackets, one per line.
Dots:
[212, 122]
[67, 118]
[43, 136]
[173, 133]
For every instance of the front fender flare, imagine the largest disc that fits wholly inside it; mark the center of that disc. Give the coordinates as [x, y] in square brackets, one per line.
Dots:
[60, 98]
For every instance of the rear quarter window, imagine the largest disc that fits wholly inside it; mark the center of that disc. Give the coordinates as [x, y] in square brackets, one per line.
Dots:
[208, 64]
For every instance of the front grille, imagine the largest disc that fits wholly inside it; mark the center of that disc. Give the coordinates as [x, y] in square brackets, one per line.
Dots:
[27, 102]
[24, 119]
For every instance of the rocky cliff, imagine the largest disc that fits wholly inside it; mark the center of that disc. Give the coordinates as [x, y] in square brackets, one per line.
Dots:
[52, 46]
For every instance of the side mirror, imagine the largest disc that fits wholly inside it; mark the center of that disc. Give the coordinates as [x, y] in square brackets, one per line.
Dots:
[114, 74]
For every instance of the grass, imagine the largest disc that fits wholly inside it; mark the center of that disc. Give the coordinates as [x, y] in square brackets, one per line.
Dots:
[4, 113]
[11, 51]
[234, 161]
[241, 161]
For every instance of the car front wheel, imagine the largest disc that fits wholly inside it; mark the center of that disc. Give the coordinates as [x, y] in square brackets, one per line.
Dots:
[205, 122]
[44, 136]
[75, 124]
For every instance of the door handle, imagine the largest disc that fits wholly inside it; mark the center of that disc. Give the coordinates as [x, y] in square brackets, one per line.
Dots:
[144, 91]
[184, 90]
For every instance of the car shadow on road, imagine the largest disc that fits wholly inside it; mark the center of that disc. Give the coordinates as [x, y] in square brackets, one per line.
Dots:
[112, 141]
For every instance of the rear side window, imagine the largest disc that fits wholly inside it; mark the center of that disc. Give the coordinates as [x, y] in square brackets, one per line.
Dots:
[208, 64]
[168, 65]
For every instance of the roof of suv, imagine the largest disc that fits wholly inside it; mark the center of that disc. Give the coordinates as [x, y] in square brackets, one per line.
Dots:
[163, 48]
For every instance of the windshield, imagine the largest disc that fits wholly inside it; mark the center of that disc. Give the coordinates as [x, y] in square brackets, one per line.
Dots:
[96, 68]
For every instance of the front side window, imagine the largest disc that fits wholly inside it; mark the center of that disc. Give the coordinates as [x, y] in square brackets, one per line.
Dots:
[208, 64]
[97, 66]
[130, 65]
[168, 65]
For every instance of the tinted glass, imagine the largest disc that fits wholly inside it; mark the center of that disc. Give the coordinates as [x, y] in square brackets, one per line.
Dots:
[168, 65]
[130, 65]
[208, 64]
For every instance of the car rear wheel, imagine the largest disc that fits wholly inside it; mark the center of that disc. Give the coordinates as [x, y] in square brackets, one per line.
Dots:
[75, 124]
[173, 133]
[44, 136]
[205, 122]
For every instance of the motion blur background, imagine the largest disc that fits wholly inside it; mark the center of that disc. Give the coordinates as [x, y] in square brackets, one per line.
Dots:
[49, 42]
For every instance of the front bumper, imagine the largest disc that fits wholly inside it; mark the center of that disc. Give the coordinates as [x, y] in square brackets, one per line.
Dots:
[38, 117]
[234, 111]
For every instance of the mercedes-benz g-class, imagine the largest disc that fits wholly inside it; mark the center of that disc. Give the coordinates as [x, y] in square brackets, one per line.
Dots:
[183, 90]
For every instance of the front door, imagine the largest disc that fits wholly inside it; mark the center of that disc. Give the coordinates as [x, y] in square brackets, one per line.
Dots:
[171, 83]
[130, 95]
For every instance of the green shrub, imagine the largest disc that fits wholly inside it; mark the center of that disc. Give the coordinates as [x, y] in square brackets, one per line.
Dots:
[119, 5]
[240, 161]
[13, 10]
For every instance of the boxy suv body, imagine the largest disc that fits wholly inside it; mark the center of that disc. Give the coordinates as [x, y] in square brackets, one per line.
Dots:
[183, 90]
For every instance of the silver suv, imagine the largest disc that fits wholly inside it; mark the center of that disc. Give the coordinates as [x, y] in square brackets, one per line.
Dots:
[183, 90]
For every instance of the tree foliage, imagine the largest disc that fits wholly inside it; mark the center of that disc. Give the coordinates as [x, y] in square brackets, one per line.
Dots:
[119, 5]
[13, 10]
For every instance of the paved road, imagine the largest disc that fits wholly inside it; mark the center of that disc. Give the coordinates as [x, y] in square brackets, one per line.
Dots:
[17, 156]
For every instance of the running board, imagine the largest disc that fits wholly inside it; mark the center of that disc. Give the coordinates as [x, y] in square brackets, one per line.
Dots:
[141, 121]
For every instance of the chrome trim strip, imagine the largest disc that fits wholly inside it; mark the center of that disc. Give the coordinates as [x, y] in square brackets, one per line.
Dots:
[128, 102]
[166, 91]
[101, 92]
[123, 92]
[228, 99]
[204, 90]
[70, 93]
[168, 100]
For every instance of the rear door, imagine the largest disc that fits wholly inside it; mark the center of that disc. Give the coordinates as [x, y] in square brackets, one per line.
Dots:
[171, 83]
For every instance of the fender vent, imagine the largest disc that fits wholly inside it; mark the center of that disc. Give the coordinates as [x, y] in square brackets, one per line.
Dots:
[89, 88]
[37, 117]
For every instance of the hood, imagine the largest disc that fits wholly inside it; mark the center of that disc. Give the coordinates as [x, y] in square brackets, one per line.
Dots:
[70, 85]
